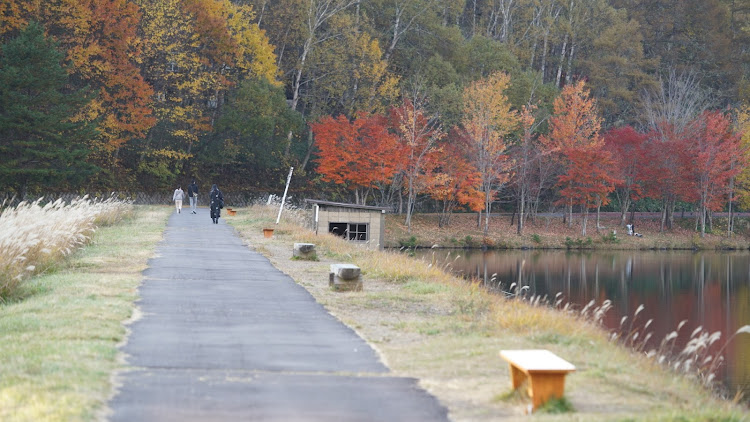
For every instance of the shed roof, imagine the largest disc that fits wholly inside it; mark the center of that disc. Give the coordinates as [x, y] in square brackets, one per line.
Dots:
[344, 205]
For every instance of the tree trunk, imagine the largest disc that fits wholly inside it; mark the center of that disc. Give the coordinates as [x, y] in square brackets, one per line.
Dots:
[521, 203]
[670, 213]
[409, 204]
[730, 220]
[585, 220]
[544, 54]
[569, 70]
[624, 210]
[570, 213]
[562, 60]
[487, 211]
[298, 83]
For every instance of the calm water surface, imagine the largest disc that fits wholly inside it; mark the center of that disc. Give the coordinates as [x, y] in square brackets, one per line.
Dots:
[708, 289]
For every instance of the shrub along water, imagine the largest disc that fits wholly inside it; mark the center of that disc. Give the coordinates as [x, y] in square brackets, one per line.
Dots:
[36, 235]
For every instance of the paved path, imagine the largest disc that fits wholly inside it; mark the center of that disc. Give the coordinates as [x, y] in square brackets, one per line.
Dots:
[225, 336]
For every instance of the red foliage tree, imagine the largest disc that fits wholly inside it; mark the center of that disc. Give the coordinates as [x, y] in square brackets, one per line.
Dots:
[588, 180]
[665, 170]
[358, 154]
[715, 148]
[626, 147]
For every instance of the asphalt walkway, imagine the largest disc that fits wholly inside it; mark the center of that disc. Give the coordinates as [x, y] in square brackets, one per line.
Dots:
[225, 336]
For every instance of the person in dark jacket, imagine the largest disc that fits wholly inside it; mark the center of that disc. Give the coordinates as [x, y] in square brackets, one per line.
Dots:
[217, 203]
[193, 195]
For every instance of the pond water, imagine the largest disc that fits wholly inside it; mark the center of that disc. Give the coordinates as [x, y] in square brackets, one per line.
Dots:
[707, 289]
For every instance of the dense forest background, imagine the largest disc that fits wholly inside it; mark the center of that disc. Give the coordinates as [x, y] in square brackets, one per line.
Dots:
[143, 95]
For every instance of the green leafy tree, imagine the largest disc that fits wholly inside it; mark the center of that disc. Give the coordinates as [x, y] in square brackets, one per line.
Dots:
[251, 134]
[42, 146]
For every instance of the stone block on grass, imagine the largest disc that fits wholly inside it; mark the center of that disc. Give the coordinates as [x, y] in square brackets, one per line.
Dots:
[345, 277]
[305, 251]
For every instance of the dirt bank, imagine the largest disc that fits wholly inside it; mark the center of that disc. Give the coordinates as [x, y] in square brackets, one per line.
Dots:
[550, 232]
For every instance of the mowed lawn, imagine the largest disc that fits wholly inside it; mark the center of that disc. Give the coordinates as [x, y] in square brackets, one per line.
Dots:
[59, 336]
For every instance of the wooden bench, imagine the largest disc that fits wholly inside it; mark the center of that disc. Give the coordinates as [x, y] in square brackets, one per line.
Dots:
[544, 370]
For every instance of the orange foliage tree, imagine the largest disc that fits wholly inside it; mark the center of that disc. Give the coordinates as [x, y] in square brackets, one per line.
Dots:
[357, 154]
[574, 130]
[455, 180]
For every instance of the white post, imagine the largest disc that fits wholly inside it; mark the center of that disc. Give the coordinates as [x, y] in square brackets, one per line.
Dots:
[283, 198]
[316, 207]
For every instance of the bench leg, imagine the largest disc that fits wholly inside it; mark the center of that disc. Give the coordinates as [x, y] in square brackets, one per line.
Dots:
[543, 387]
[517, 376]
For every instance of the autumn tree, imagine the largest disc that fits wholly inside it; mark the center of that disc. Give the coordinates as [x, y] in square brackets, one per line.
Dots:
[455, 180]
[418, 134]
[194, 52]
[626, 146]
[488, 119]
[669, 111]
[587, 181]
[524, 154]
[356, 154]
[101, 44]
[714, 148]
[574, 129]
[350, 76]
[743, 179]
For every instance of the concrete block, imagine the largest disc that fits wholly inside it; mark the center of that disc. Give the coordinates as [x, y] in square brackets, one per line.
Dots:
[345, 277]
[339, 285]
[346, 271]
[305, 251]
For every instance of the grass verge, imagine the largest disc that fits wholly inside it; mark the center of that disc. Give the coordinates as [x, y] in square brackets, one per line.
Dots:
[59, 336]
[431, 326]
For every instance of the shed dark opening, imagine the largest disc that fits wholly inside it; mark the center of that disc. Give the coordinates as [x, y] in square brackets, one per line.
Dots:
[350, 231]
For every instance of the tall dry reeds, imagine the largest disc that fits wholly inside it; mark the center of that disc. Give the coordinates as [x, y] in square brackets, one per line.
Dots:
[692, 354]
[35, 235]
[697, 357]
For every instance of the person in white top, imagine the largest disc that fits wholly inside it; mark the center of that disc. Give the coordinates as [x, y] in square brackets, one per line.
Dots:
[179, 194]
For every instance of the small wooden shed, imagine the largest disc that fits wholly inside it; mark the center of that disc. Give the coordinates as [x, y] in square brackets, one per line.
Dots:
[357, 223]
